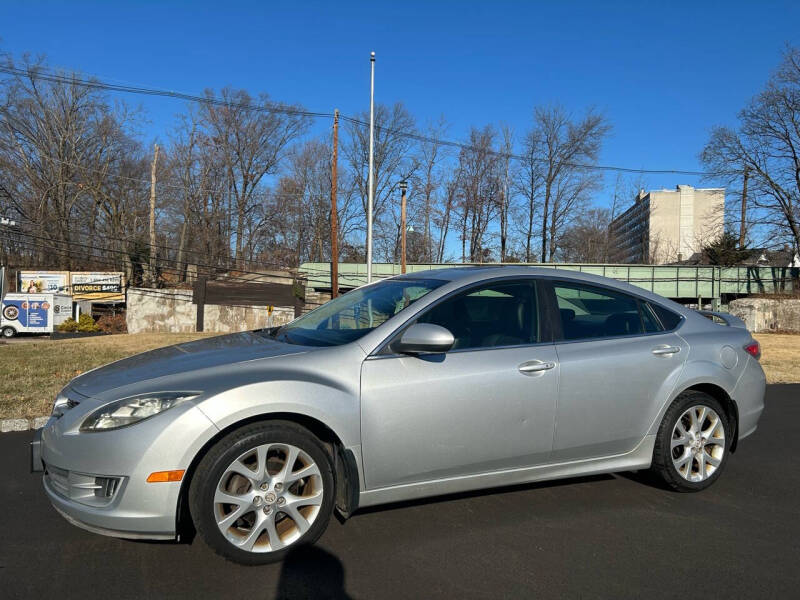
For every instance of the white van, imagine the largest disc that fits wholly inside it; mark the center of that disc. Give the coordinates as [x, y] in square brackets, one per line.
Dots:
[33, 313]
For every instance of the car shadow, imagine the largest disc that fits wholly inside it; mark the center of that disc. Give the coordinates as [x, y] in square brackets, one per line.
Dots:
[645, 477]
[311, 572]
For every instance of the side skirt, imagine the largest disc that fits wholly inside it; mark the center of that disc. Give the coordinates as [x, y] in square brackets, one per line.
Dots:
[638, 458]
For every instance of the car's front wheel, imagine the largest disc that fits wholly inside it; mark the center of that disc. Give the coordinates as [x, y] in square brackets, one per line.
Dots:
[261, 490]
[692, 443]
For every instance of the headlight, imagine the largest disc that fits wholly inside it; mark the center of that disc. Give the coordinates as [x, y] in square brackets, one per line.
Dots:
[132, 410]
[62, 405]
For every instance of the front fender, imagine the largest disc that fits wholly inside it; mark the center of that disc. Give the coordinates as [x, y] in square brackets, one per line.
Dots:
[337, 408]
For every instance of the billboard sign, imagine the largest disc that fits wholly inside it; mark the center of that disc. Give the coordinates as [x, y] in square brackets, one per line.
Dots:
[97, 286]
[43, 282]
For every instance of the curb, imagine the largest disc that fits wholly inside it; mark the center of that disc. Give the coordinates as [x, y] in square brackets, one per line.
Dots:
[7, 425]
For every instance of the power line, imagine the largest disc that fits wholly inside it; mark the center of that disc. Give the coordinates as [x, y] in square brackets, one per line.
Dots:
[94, 83]
[48, 243]
[277, 108]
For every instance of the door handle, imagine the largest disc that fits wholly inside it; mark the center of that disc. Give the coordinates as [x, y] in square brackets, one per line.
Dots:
[665, 350]
[536, 366]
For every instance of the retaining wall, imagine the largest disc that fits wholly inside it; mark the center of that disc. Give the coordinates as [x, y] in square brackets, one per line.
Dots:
[766, 314]
[172, 311]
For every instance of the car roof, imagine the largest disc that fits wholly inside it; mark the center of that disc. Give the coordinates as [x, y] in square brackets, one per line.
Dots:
[480, 272]
[477, 273]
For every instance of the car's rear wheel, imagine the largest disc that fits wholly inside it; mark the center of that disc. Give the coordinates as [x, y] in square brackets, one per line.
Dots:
[262, 490]
[692, 443]
[9, 332]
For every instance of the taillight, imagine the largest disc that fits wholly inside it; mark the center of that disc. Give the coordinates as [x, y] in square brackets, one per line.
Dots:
[753, 349]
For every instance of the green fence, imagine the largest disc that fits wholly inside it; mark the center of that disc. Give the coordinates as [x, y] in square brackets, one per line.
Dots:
[679, 282]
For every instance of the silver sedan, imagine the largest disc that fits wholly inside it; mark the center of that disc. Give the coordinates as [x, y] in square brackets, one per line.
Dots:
[416, 386]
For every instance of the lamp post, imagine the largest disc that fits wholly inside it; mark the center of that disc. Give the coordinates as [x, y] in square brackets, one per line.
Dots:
[403, 188]
[371, 190]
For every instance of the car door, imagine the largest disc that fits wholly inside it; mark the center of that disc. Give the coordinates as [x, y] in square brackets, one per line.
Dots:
[617, 367]
[487, 404]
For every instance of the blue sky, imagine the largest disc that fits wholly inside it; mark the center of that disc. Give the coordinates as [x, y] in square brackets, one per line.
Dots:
[663, 73]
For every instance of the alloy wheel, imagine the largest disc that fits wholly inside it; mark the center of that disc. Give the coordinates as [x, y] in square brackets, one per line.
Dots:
[268, 497]
[698, 443]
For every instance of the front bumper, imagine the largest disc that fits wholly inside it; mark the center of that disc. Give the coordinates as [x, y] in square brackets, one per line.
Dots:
[37, 466]
[77, 465]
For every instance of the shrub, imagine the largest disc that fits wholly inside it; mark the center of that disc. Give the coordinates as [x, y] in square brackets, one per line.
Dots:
[69, 326]
[112, 324]
[86, 324]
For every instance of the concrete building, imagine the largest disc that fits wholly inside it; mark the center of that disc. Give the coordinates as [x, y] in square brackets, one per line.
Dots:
[665, 226]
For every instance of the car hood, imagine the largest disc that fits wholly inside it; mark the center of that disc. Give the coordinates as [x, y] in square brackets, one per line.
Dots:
[182, 358]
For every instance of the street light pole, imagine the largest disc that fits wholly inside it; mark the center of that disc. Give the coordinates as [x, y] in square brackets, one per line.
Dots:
[371, 184]
[403, 188]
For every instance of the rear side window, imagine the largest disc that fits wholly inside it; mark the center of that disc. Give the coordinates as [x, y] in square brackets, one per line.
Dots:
[651, 323]
[587, 312]
[669, 320]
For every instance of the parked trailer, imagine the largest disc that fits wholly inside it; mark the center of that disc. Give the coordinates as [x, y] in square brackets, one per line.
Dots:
[33, 313]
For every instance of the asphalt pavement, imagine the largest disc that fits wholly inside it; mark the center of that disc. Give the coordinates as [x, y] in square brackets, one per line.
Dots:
[619, 536]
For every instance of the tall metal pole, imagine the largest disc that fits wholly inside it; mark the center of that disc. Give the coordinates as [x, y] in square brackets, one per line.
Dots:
[371, 184]
[334, 212]
[403, 187]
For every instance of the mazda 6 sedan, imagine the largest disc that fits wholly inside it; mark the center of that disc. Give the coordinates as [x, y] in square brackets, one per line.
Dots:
[415, 386]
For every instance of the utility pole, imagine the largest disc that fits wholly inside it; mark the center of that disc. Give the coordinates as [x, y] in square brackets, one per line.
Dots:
[152, 268]
[371, 190]
[6, 223]
[403, 188]
[743, 224]
[334, 210]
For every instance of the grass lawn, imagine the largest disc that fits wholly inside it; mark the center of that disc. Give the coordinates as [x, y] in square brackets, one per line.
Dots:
[780, 357]
[32, 373]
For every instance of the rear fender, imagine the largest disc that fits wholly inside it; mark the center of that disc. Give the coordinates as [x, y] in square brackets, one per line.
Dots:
[696, 373]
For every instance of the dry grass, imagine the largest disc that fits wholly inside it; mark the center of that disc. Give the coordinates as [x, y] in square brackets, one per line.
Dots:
[780, 356]
[32, 372]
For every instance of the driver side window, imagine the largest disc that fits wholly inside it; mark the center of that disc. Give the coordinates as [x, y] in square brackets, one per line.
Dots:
[501, 313]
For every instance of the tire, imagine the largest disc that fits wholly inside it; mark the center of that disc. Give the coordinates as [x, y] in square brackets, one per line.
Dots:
[701, 442]
[253, 529]
[8, 332]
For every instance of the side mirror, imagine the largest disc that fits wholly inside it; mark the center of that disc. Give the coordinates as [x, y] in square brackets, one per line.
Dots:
[423, 338]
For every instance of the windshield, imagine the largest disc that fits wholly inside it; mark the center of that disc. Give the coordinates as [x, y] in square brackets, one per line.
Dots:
[355, 313]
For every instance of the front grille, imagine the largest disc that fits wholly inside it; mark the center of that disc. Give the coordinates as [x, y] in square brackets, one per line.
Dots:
[92, 490]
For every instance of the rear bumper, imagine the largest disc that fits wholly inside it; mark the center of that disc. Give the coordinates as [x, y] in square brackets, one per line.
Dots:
[749, 397]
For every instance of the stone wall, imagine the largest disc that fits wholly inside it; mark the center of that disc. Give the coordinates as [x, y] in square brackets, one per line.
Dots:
[172, 311]
[766, 314]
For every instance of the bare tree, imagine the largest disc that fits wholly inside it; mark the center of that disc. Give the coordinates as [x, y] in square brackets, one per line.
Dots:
[251, 136]
[426, 197]
[393, 162]
[68, 166]
[586, 239]
[529, 178]
[767, 145]
[568, 148]
[480, 189]
[504, 206]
